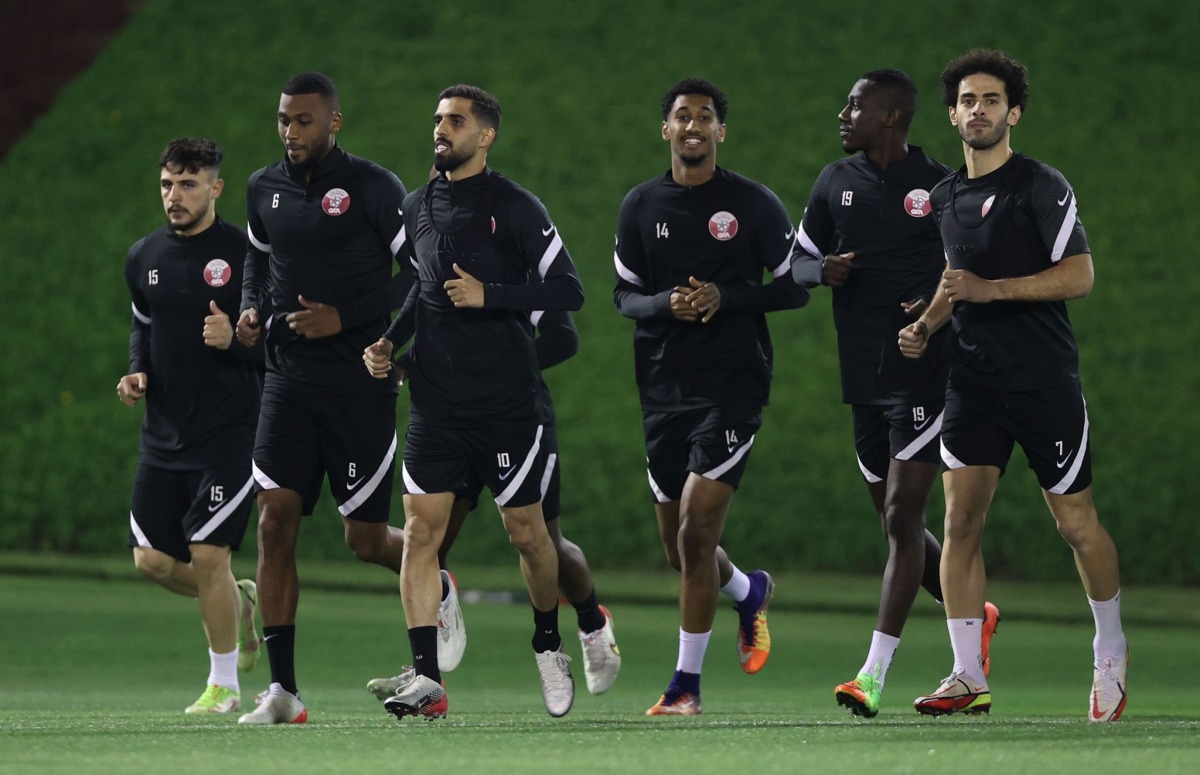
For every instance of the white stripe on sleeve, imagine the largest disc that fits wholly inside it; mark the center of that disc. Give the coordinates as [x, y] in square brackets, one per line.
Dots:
[256, 242]
[143, 319]
[625, 274]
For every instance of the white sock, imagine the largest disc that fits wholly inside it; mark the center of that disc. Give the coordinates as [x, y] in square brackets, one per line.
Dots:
[692, 646]
[222, 669]
[879, 658]
[966, 638]
[738, 587]
[1110, 638]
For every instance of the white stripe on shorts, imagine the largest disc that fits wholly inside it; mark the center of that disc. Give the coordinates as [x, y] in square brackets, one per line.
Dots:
[550, 461]
[866, 472]
[223, 514]
[410, 484]
[1065, 483]
[659, 495]
[950, 460]
[720, 470]
[138, 535]
[919, 442]
[519, 477]
[368, 488]
[264, 481]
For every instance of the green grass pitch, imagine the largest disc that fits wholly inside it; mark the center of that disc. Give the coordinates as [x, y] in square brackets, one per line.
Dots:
[95, 674]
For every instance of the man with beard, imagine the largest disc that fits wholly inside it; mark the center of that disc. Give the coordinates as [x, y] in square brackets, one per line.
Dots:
[1016, 252]
[487, 255]
[867, 235]
[191, 493]
[692, 246]
[324, 227]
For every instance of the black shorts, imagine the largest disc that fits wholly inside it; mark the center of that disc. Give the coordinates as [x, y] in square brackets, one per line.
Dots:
[551, 509]
[172, 509]
[897, 431]
[303, 437]
[713, 442]
[1051, 425]
[512, 460]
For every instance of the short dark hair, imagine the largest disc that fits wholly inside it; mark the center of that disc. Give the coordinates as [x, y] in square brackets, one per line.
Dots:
[484, 106]
[989, 62]
[696, 86]
[314, 83]
[898, 84]
[191, 154]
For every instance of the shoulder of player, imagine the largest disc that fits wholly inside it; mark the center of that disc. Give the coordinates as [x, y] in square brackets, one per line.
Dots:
[1041, 173]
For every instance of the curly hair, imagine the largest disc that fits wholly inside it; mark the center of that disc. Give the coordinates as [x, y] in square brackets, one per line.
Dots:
[191, 154]
[696, 86]
[989, 62]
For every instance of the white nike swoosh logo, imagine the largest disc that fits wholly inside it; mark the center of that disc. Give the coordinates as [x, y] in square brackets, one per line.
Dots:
[1066, 196]
[731, 447]
[1063, 462]
[215, 507]
[546, 232]
[922, 425]
[506, 475]
[356, 484]
[789, 234]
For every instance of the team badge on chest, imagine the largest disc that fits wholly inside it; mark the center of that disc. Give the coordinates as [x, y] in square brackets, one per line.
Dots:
[216, 272]
[336, 201]
[916, 203]
[723, 226]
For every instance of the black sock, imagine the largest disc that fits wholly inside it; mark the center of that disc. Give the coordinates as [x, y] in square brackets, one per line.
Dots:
[589, 614]
[545, 630]
[424, 648]
[281, 652]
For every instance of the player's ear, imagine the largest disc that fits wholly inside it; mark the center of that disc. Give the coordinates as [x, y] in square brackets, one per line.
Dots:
[666, 133]
[953, 115]
[1014, 115]
[335, 123]
[721, 134]
[217, 187]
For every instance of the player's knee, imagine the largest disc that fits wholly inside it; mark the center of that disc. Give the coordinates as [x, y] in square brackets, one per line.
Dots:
[903, 523]
[962, 527]
[696, 545]
[209, 560]
[366, 546]
[419, 534]
[1077, 530]
[154, 565]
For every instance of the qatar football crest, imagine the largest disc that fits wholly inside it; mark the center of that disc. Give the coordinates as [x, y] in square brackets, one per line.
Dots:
[336, 201]
[723, 226]
[916, 203]
[216, 272]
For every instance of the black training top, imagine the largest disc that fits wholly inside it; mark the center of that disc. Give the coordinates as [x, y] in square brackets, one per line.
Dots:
[201, 402]
[1016, 221]
[883, 218]
[726, 231]
[330, 240]
[468, 366]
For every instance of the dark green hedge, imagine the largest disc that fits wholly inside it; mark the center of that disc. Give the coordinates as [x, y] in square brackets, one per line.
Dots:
[580, 84]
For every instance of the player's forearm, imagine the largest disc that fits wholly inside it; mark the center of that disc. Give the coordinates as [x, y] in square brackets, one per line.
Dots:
[562, 292]
[806, 269]
[784, 293]
[384, 300]
[139, 347]
[255, 276]
[1071, 278]
[557, 339]
[639, 306]
[938, 312]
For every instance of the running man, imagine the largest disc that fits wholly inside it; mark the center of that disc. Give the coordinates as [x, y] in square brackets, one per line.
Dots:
[324, 226]
[692, 246]
[487, 255]
[557, 340]
[1016, 252]
[191, 493]
[867, 235]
